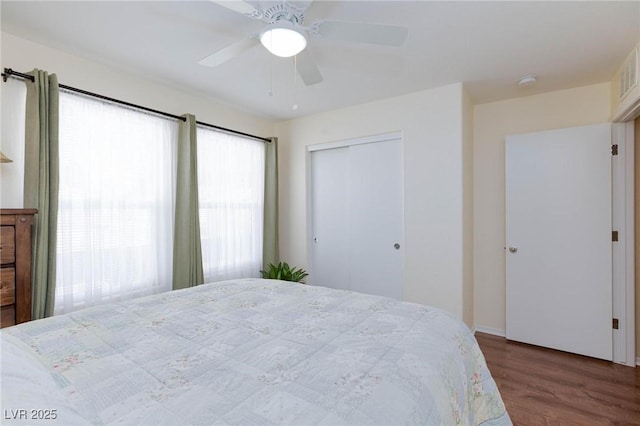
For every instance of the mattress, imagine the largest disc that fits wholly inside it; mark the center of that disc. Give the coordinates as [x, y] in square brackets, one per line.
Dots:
[248, 352]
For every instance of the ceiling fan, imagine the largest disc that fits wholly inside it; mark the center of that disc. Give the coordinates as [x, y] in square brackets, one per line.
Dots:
[285, 35]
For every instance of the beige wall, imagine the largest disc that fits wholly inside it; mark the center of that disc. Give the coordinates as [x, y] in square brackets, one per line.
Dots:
[22, 55]
[492, 122]
[636, 225]
[431, 123]
[467, 210]
[454, 166]
[12, 93]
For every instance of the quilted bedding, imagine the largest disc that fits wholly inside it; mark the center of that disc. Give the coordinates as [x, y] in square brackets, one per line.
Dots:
[248, 352]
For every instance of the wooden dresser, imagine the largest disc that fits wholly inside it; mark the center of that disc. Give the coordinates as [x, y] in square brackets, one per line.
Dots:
[15, 274]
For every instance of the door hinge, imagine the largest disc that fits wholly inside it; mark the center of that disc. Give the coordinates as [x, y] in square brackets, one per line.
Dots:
[614, 236]
[615, 324]
[614, 149]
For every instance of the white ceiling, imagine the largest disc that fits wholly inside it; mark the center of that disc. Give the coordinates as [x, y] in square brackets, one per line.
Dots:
[486, 45]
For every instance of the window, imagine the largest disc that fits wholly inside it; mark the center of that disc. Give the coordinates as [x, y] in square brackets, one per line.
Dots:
[115, 218]
[231, 196]
[116, 203]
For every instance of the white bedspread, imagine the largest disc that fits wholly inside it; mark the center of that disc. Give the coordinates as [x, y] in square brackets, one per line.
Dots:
[249, 352]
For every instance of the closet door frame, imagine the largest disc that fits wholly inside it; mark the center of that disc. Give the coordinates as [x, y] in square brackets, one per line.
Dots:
[343, 143]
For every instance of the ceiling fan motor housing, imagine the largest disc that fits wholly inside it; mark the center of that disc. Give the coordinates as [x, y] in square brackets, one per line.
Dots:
[284, 12]
[286, 35]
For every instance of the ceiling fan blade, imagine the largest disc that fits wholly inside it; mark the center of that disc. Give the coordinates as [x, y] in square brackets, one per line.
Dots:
[307, 68]
[300, 4]
[386, 35]
[240, 7]
[223, 55]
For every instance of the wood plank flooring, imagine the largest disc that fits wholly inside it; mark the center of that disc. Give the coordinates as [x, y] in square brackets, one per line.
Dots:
[542, 386]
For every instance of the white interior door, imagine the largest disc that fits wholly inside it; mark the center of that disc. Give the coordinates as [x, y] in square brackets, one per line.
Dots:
[558, 239]
[357, 218]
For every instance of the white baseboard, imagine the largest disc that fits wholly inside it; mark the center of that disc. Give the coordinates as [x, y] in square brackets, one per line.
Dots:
[502, 333]
[489, 330]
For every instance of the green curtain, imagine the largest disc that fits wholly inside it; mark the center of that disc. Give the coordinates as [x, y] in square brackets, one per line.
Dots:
[41, 182]
[187, 251]
[270, 243]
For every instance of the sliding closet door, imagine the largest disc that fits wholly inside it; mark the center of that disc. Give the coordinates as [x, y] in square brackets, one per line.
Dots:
[357, 218]
[330, 196]
[375, 218]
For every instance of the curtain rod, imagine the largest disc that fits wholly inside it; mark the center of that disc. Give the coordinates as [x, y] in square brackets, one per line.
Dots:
[8, 72]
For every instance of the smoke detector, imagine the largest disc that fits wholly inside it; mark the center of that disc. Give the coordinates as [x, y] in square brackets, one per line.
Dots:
[527, 80]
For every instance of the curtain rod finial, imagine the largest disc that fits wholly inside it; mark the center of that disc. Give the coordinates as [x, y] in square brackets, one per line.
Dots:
[6, 74]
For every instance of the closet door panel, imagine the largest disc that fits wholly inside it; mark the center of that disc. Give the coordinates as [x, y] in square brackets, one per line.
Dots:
[329, 265]
[375, 218]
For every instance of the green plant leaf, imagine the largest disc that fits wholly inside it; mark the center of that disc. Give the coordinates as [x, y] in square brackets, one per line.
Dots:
[283, 271]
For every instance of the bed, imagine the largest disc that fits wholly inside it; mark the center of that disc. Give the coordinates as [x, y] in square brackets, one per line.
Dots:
[248, 352]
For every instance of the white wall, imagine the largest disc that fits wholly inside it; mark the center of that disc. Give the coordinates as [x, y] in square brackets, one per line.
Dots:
[492, 122]
[431, 124]
[22, 55]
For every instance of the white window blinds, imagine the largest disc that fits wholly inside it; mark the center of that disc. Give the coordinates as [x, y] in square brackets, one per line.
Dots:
[115, 219]
[231, 196]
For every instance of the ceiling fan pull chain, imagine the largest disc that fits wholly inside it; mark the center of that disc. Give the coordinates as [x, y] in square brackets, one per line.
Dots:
[270, 75]
[295, 80]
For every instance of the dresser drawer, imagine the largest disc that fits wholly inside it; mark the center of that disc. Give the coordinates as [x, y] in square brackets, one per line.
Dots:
[7, 316]
[7, 286]
[15, 265]
[7, 244]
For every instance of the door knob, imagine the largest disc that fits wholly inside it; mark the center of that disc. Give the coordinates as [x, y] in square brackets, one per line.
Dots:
[396, 246]
[513, 249]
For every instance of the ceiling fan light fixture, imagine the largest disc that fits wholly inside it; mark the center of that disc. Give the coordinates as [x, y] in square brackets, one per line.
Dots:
[283, 40]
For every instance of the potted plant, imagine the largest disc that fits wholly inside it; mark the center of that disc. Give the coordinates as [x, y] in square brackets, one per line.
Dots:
[282, 271]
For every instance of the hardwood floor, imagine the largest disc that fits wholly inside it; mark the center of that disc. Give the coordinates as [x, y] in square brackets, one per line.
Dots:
[542, 386]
